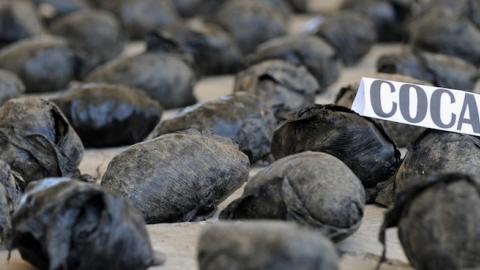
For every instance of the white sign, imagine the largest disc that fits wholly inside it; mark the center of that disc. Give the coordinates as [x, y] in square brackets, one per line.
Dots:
[419, 105]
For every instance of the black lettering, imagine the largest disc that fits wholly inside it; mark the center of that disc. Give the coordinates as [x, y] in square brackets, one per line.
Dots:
[435, 110]
[422, 103]
[376, 100]
[471, 104]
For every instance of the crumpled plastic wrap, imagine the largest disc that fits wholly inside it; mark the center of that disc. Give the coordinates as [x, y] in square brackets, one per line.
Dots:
[282, 86]
[351, 34]
[250, 22]
[95, 36]
[266, 246]
[311, 188]
[439, 69]
[212, 49]
[10, 86]
[37, 141]
[43, 63]
[447, 32]
[178, 177]
[141, 17]
[314, 53]
[359, 142]
[165, 77]
[19, 21]
[438, 152]
[62, 223]
[241, 117]
[106, 115]
[437, 222]
[10, 193]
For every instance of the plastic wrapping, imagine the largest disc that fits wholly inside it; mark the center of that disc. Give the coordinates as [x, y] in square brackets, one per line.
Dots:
[177, 177]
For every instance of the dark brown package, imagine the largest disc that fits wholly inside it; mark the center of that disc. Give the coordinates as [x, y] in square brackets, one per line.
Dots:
[310, 51]
[10, 86]
[439, 69]
[311, 188]
[351, 34]
[359, 142]
[250, 22]
[106, 115]
[95, 36]
[165, 77]
[178, 177]
[282, 86]
[242, 118]
[266, 246]
[19, 20]
[37, 141]
[213, 50]
[62, 223]
[44, 64]
[437, 222]
[141, 17]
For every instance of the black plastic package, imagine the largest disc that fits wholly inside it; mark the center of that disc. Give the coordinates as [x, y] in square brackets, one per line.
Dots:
[437, 152]
[107, 115]
[310, 51]
[389, 16]
[44, 64]
[446, 32]
[10, 86]
[178, 177]
[213, 50]
[165, 77]
[351, 34]
[266, 246]
[437, 222]
[250, 22]
[282, 86]
[359, 142]
[95, 36]
[311, 188]
[18, 21]
[10, 193]
[37, 141]
[141, 17]
[62, 223]
[243, 118]
[439, 69]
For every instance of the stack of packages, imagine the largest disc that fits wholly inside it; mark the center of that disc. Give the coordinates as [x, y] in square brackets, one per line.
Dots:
[323, 162]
